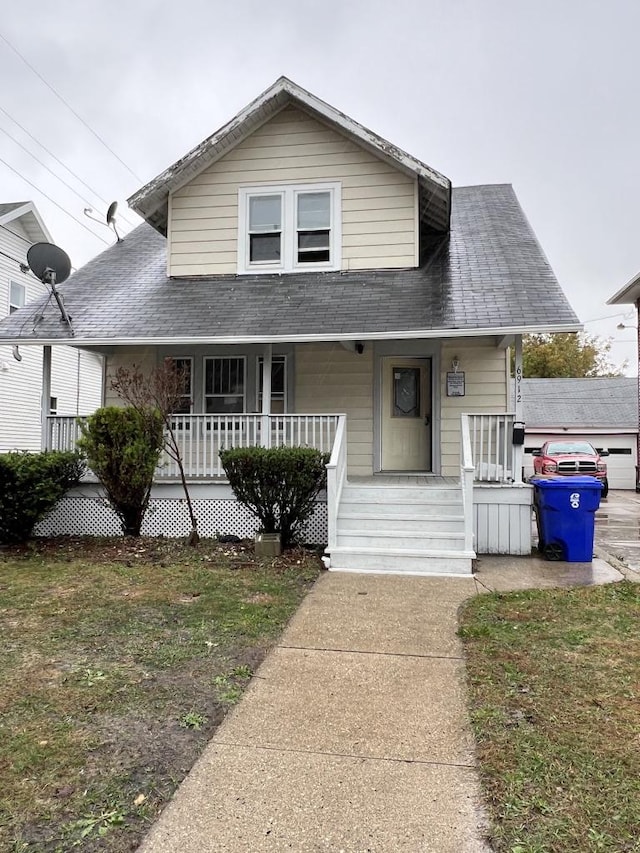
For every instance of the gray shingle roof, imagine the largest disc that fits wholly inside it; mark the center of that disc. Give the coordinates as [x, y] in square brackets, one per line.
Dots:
[489, 273]
[7, 207]
[600, 402]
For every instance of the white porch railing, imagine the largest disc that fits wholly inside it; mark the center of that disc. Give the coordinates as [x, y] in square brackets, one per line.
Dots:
[336, 478]
[467, 474]
[61, 432]
[201, 437]
[490, 447]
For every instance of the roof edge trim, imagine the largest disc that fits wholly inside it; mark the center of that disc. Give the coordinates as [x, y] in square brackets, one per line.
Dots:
[420, 334]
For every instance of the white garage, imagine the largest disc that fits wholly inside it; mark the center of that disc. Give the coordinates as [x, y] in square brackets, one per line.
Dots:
[601, 410]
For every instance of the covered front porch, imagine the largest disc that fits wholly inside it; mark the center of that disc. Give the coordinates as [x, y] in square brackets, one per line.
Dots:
[405, 522]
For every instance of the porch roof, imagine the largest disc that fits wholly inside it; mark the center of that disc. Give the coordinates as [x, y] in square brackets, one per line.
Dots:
[489, 276]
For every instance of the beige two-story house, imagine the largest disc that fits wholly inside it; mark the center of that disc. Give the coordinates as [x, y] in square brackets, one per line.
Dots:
[323, 287]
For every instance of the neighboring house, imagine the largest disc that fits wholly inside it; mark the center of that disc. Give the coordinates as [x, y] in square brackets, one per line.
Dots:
[76, 376]
[601, 410]
[325, 288]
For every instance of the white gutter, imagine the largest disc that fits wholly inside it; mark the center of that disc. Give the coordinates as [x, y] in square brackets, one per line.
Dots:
[419, 334]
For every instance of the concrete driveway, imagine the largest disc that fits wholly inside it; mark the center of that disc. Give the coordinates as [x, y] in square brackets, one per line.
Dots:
[617, 535]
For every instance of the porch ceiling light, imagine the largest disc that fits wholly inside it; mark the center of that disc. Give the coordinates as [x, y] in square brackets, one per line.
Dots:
[455, 364]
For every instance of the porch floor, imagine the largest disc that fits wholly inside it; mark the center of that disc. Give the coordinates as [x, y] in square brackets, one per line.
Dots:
[408, 479]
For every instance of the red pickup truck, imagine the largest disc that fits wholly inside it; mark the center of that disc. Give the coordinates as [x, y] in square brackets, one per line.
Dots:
[565, 458]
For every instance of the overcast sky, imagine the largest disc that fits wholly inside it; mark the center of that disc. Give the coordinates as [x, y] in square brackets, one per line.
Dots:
[542, 94]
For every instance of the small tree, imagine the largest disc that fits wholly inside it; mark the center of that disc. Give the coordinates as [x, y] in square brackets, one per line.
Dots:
[31, 484]
[567, 355]
[164, 390]
[279, 485]
[122, 446]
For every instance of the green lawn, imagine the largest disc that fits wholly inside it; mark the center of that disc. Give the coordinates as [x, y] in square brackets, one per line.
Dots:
[554, 678]
[119, 659]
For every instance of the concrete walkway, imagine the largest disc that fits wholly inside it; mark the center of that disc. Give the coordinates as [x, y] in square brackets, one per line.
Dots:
[353, 736]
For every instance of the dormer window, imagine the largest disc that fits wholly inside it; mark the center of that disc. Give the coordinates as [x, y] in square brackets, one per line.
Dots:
[289, 228]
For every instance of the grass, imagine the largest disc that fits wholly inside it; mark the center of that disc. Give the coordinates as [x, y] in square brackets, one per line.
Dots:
[554, 679]
[119, 660]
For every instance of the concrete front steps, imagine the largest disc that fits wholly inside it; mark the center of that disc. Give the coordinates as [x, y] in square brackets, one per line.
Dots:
[401, 529]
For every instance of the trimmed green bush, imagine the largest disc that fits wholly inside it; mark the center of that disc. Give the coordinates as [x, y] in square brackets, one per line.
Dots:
[31, 484]
[122, 445]
[279, 485]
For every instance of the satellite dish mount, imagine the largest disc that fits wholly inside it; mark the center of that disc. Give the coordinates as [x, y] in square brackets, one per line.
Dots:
[52, 266]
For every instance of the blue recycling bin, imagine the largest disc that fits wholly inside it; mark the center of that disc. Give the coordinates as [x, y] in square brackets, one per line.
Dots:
[565, 511]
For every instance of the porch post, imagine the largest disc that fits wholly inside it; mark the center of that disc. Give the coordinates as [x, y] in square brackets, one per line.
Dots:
[46, 396]
[518, 449]
[265, 428]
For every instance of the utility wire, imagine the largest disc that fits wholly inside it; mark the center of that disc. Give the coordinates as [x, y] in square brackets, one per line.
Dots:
[59, 206]
[11, 258]
[69, 107]
[44, 166]
[64, 166]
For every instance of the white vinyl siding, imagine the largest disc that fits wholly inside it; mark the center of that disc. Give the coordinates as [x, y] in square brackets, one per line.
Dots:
[21, 382]
[328, 378]
[378, 200]
[485, 369]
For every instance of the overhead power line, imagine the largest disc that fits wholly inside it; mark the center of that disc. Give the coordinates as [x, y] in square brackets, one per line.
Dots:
[44, 166]
[61, 163]
[53, 201]
[69, 107]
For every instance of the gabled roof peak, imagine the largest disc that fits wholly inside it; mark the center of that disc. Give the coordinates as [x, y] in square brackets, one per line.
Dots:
[151, 201]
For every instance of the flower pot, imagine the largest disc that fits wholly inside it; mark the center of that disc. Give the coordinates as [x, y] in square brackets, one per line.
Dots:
[268, 545]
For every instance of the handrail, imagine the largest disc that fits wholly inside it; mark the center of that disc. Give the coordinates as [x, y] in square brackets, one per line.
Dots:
[467, 474]
[336, 478]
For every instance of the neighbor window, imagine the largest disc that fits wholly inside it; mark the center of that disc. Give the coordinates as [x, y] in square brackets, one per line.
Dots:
[17, 293]
[278, 384]
[287, 228]
[224, 385]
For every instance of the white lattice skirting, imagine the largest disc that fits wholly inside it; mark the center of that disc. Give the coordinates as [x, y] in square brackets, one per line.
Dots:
[85, 512]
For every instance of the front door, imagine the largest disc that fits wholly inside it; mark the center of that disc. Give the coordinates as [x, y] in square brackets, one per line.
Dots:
[406, 414]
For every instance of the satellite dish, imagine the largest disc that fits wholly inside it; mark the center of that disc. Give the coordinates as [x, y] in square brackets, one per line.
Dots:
[49, 263]
[111, 213]
[52, 266]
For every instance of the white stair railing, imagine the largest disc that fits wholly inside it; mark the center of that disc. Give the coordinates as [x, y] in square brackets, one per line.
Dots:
[467, 474]
[336, 478]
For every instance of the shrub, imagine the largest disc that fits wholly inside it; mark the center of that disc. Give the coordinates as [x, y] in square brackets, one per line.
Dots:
[279, 485]
[122, 446]
[31, 484]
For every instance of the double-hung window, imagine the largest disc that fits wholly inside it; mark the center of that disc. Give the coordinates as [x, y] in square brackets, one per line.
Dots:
[183, 367]
[17, 294]
[224, 385]
[289, 228]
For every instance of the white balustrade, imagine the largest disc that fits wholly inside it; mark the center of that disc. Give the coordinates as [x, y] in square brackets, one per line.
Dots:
[201, 437]
[490, 446]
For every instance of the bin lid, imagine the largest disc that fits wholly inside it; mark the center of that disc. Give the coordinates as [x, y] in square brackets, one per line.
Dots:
[562, 482]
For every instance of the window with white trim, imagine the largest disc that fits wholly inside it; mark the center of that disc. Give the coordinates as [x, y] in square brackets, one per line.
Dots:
[278, 384]
[224, 385]
[183, 365]
[17, 296]
[289, 228]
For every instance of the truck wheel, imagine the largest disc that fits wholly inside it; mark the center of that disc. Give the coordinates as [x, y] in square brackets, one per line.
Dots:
[605, 488]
